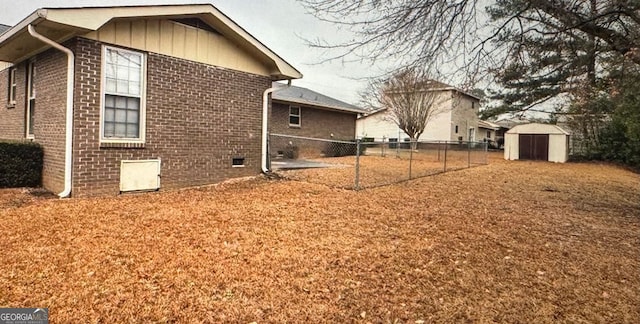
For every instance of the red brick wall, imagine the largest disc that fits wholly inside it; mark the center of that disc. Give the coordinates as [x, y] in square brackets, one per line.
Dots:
[314, 123]
[12, 117]
[198, 118]
[49, 124]
[48, 127]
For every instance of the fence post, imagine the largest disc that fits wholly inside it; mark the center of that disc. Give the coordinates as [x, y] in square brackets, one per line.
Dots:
[411, 156]
[357, 178]
[486, 153]
[468, 154]
[446, 143]
[382, 147]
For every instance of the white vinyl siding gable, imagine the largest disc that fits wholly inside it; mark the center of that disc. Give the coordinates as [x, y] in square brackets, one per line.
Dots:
[123, 96]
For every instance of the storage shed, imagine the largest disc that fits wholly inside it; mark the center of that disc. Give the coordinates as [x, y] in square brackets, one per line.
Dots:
[537, 142]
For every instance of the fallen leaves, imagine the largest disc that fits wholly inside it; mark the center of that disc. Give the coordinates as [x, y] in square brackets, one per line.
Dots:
[486, 244]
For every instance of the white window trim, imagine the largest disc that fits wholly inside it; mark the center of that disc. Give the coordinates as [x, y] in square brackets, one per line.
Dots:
[13, 86]
[31, 65]
[299, 115]
[143, 98]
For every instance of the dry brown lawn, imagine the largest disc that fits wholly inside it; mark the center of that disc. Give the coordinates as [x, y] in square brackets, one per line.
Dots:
[376, 170]
[507, 242]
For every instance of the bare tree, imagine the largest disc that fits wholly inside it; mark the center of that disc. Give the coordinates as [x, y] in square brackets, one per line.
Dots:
[412, 101]
[477, 36]
[425, 33]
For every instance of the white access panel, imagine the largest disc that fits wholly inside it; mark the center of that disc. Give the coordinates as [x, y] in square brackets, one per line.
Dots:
[139, 175]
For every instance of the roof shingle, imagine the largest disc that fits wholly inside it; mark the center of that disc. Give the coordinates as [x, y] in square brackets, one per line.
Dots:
[4, 28]
[306, 96]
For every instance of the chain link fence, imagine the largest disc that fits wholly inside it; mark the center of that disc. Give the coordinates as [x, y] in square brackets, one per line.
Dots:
[360, 164]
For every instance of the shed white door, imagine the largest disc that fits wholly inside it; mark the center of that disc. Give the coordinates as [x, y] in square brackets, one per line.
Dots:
[138, 175]
[534, 147]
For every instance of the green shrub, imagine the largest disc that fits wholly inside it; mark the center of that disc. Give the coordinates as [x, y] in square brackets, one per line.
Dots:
[20, 164]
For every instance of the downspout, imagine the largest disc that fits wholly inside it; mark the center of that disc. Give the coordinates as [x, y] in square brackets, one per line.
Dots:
[69, 111]
[265, 124]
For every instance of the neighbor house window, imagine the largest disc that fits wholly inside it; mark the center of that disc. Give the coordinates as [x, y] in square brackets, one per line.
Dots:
[489, 134]
[294, 116]
[473, 105]
[12, 86]
[456, 129]
[123, 113]
[31, 97]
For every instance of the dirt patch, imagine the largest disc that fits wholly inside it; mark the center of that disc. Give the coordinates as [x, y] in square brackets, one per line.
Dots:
[508, 242]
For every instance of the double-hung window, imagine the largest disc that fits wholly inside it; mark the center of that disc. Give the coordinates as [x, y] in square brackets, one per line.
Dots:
[294, 116]
[13, 85]
[123, 113]
[31, 97]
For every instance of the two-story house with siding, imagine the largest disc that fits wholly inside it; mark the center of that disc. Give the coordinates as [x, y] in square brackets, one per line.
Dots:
[456, 118]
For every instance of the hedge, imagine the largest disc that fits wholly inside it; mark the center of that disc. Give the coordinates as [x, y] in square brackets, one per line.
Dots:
[20, 164]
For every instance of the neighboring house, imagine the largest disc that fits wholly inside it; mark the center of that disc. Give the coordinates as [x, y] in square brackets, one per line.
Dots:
[172, 92]
[302, 112]
[491, 133]
[487, 131]
[457, 119]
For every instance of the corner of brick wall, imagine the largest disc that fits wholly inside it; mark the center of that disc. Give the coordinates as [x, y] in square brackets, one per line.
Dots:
[199, 117]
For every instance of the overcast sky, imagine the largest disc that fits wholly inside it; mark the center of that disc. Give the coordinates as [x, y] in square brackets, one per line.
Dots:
[281, 25]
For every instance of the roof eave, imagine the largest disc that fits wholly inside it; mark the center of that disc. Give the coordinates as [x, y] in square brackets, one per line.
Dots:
[373, 112]
[33, 18]
[73, 24]
[17, 44]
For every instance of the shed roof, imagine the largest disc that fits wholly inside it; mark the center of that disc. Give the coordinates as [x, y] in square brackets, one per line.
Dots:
[60, 24]
[304, 96]
[535, 128]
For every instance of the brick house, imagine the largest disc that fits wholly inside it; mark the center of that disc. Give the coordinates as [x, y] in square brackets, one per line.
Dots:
[154, 92]
[456, 119]
[298, 111]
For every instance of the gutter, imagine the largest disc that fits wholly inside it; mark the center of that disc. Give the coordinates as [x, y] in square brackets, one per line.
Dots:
[265, 124]
[69, 110]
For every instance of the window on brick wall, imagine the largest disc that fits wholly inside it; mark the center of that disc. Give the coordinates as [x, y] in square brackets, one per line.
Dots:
[294, 116]
[31, 98]
[123, 104]
[11, 100]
